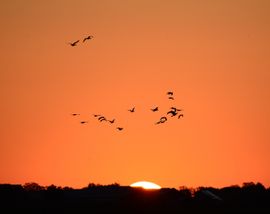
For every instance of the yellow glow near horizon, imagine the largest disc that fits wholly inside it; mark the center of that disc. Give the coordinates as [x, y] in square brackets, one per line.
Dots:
[146, 185]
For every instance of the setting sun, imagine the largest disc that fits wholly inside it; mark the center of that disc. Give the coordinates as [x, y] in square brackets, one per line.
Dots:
[146, 185]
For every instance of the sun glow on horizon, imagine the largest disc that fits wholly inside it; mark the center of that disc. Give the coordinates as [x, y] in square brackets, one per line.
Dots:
[146, 185]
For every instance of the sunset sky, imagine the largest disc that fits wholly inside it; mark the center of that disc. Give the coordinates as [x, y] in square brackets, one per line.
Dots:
[213, 54]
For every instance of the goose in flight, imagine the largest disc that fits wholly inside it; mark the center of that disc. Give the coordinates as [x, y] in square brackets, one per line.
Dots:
[176, 109]
[84, 122]
[171, 98]
[154, 109]
[132, 110]
[75, 114]
[180, 115]
[173, 113]
[111, 121]
[86, 38]
[119, 128]
[170, 93]
[96, 115]
[102, 119]
[74, 43]
[162, 120]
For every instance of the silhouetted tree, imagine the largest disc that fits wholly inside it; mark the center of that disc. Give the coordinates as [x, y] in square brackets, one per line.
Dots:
[185, 191]
[113, 198]
[32, 186]
[53, 188]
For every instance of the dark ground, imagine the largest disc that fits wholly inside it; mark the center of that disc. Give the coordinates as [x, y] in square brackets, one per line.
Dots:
[32, 198]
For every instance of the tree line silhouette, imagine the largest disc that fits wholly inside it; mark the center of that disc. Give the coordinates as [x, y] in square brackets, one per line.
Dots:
[113, 198]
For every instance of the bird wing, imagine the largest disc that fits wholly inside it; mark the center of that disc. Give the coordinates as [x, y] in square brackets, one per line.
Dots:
[163, 119]
[180, 115]
[132, 110]
[172, 112]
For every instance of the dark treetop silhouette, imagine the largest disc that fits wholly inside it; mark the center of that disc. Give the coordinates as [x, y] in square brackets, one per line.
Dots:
[113, 198]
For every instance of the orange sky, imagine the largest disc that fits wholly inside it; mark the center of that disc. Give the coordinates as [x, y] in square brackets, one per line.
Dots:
[213, 54]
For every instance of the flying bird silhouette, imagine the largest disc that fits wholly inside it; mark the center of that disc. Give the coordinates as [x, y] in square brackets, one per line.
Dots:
[162, 120]
[180, 115]
[154, 109]
[87, 38]
[102, 118]
[75, 114]
[176, 109]
[96, 115]
[84, 122]
[171, 98]
[111, 121]
[170, 93]
[173, 113]
[74, 43]
[132, 110]
[120, 128]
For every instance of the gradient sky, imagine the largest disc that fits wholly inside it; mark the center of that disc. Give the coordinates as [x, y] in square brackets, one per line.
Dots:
[214, 55]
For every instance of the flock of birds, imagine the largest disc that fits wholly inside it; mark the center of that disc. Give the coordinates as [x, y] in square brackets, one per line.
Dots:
[173, 112]
[73, 44]
[101, 118]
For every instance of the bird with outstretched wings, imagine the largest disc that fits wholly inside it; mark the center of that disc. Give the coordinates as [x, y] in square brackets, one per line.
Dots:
[162, 120]
[74, 43]
[132, 110]
[154, 109]
[87, 38]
